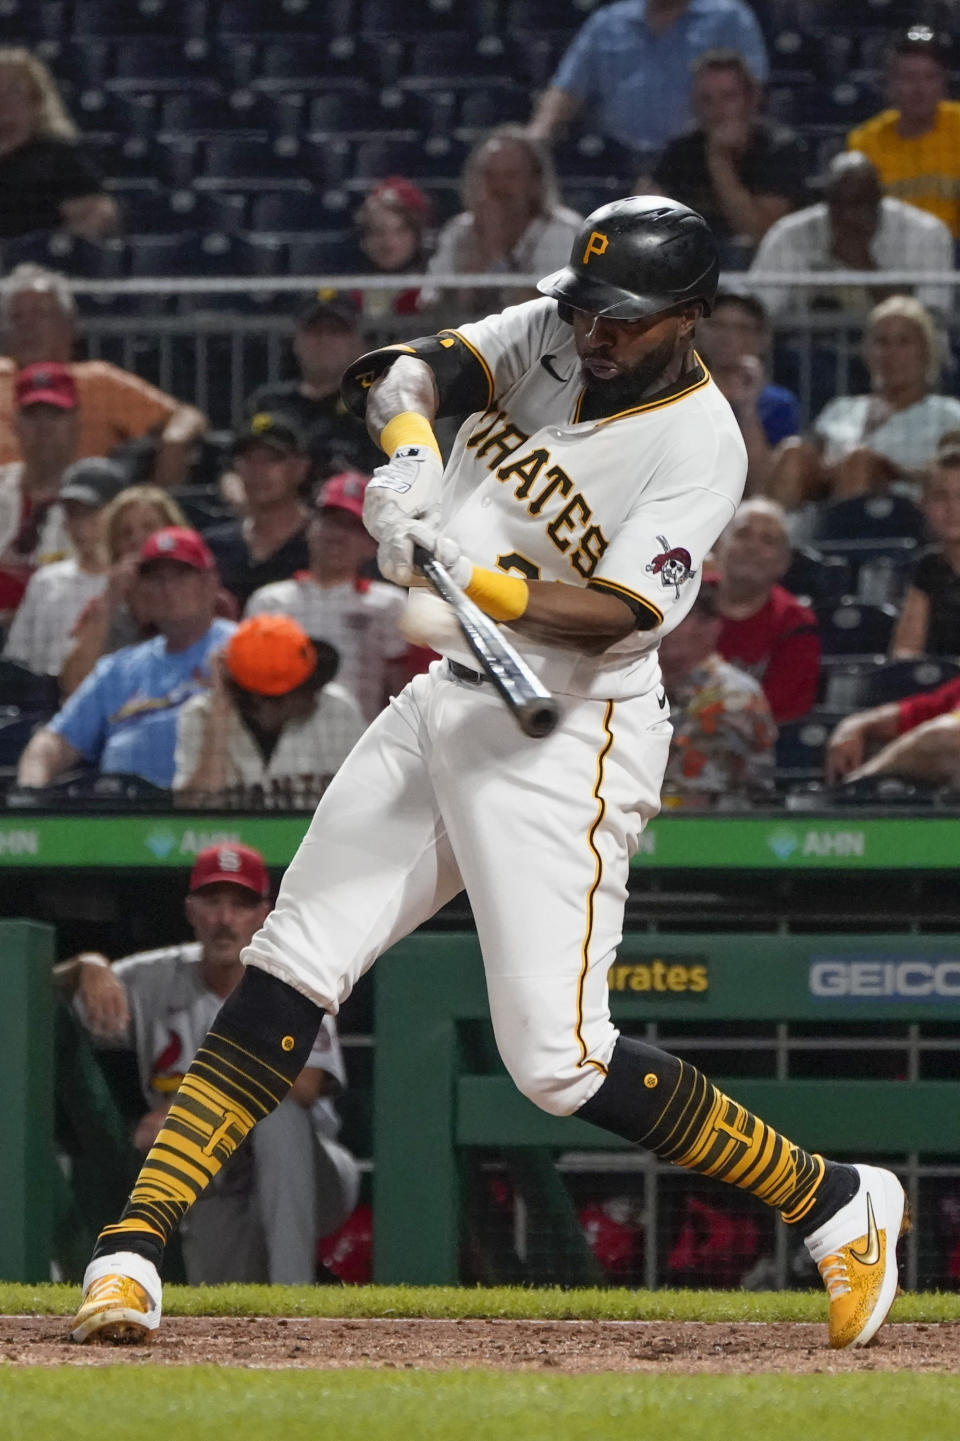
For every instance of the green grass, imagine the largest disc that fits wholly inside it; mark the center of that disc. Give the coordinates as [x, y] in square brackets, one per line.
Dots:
[207, 1404]
[456, 1302]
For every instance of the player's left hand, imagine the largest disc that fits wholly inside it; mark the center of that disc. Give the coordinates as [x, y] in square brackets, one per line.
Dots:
[395, 553]
[406, 488]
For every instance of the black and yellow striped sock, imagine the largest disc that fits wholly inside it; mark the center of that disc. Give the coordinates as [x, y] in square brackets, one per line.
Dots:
[256, 1048]
[671, 1108]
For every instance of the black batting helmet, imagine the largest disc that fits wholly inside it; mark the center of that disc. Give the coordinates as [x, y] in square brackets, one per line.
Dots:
[637, 257]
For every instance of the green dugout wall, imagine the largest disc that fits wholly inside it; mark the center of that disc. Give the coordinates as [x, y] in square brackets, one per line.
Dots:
[432, 1104]
[26, 1113]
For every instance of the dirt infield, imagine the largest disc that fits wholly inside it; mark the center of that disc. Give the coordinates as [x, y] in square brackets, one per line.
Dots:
[562, 1346]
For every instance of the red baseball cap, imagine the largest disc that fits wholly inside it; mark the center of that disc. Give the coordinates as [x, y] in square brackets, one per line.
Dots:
[270, 655]
[343, 492]
[177, 542]
[46, 383]
[237, 864]
[402, 194]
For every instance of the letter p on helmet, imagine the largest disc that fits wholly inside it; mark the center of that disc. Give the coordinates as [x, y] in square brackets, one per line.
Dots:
[596, 245]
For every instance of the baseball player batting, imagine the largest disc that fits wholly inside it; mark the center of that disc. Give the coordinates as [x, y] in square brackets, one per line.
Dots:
[597, 466]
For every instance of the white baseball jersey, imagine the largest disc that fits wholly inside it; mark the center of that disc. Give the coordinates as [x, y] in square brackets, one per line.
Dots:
[171, 1012]
[630, 503]
[40, 634]
[443, 792]
[360, 619]
[315, 746]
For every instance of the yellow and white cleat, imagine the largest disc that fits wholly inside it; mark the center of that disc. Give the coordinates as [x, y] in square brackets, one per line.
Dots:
[122, 1299]
[856, 1255]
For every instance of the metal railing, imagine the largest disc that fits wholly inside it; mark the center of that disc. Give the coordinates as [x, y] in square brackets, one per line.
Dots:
[212, 340]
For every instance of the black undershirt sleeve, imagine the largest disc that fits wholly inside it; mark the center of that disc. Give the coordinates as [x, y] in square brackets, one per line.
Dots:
[463, 382]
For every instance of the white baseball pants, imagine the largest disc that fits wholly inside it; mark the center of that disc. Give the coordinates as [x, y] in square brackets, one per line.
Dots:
[443, 792]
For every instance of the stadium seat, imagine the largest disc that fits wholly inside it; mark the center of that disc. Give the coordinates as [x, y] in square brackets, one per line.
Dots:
[863, 554]
[170, 212]
[455, 59]
[201, 114]
[238, 163]
[143, 62]
[24, 691]
[284, 17]
[408, 17]
[823, 579]
[869, 517]
[56, 250]
[109, 18]
[497, 104]
[334, 252]
[801, 748]
[843, 103]
[288, 212]
[318, 66]
[81, 67]
[27, 22]
[900, 678]
[855, 628]
[352, 114]
[845, 682]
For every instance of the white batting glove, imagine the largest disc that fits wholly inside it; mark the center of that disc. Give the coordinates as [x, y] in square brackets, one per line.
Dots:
[395, 554]
[406, 488]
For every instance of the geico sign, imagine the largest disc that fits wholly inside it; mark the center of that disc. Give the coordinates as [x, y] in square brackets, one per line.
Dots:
[889, 980]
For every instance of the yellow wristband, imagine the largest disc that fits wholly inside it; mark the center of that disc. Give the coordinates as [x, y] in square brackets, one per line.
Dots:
[408, 428]
[501, 596]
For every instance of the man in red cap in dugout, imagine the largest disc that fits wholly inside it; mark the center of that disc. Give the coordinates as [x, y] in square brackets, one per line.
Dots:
[295, 1183]
[123, 718]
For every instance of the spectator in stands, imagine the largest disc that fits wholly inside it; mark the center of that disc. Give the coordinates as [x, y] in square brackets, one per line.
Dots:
[513, 222]
[332, 601]
[46, 180]
[918, 739]
[736, 342]
[123, 717]
[326, 339]
[915, 145]
[38, 319]
[722, 749]
[261, 1218]
[32, 530]
[740, 170]
[868, 442]
[115, 617]
[273, 728]
[269, 543]
[40, 635]
[392, 225]
[631, 64]
[766, 631]
[855, 227]
[929, 622]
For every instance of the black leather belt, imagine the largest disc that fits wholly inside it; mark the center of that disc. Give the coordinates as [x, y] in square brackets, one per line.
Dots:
[465, 674]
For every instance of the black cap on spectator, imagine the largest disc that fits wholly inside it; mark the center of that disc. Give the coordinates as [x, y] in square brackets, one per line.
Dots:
[93, 481]
[921, 40]
[341, 306]
[281, 432]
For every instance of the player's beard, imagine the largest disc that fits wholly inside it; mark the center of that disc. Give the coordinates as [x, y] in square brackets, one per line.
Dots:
[646, 378]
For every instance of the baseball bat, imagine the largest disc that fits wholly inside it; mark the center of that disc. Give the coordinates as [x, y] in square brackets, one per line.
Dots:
[534, 708]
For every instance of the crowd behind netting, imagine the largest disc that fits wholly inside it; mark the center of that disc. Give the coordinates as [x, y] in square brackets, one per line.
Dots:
[208, 211]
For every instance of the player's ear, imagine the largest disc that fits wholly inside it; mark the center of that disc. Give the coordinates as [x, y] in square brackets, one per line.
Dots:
[689, 316]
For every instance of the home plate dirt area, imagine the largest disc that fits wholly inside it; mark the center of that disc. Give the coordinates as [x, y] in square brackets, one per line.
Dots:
[681, 1347]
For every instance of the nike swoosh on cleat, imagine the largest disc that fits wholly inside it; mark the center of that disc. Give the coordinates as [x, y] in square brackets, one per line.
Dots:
[871, 1255]
[545, 361]
[662, 699]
